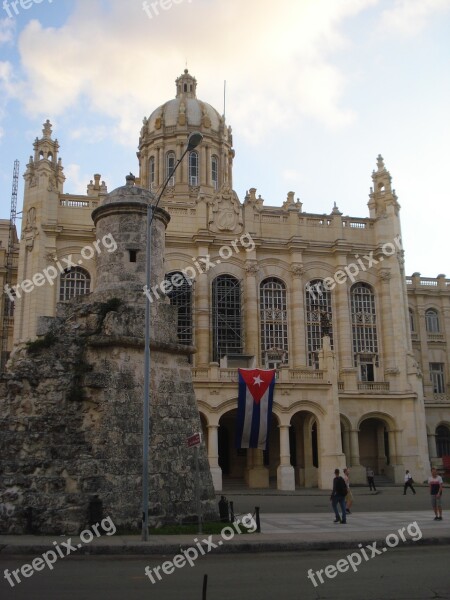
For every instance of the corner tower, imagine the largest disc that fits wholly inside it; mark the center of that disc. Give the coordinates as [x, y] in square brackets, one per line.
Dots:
[164, 136]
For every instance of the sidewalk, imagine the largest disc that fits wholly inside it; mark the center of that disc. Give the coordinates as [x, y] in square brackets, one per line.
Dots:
[280, 533]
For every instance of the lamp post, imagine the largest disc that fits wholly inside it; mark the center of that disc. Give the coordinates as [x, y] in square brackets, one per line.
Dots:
[193, 141]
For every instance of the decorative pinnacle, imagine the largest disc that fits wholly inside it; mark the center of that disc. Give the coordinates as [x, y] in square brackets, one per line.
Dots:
[130, 179]
[380, 163]
[47, 130]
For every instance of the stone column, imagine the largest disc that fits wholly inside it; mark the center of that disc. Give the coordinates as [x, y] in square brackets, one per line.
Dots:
[202, 321]
[387, 324]
[432, 446]
[204, 165]
[213, 456]
[285, 471]
[311, 474]
[354, 448]
[392, 448]
[251, 310]
[342, 327]
[179, 174]
[346, 448]
[424, 356]
[298, 351]
[258, 475]
[161, 166]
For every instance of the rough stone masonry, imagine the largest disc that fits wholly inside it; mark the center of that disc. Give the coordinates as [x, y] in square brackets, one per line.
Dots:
[71, 402]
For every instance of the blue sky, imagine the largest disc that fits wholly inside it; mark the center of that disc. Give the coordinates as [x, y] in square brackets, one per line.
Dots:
[316, 89]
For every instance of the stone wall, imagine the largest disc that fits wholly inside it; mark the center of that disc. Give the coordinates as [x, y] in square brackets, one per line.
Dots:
[71, 421]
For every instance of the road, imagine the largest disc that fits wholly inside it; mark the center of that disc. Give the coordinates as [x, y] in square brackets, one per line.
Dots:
[399, 574]
[317, 501]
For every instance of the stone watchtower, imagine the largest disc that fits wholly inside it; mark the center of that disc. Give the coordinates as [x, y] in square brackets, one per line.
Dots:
[71, 405]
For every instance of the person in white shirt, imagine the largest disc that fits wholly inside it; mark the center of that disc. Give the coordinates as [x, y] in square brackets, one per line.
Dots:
[408, 483]
[349, 496]
[436, 485]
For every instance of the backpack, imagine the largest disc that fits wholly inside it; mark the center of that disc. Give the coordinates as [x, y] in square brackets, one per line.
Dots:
[341, 487]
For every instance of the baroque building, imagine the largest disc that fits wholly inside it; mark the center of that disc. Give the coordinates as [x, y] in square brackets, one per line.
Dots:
[361, 350]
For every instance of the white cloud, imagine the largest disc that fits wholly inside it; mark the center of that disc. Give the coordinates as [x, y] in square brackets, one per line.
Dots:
[7, 28]
[122, 64]
[408, 17]
[75, 183]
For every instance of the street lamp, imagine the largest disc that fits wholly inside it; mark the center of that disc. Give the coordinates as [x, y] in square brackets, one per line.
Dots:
[193, 141]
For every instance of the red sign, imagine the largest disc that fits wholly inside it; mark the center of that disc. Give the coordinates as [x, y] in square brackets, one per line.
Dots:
[194, 440]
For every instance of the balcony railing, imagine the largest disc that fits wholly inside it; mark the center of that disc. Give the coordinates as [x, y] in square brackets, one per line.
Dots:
[374, 387]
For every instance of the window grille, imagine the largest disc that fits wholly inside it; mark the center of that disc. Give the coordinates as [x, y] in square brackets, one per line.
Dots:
[319, 319]
[181, 297]
[74, 282]
[364, 325]
[226, 317]
[273, 316]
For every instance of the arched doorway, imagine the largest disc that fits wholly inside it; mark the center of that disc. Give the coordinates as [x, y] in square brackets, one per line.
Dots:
[236, 462]
[374, 445]
[442, 441]
[304, 446]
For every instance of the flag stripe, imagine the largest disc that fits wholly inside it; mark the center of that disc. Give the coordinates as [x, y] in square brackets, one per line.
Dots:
[254, 408]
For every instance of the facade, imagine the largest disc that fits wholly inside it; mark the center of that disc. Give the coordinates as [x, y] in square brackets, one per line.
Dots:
[361, 350]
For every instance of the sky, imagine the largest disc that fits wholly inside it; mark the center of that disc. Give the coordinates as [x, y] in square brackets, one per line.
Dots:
[316, 89]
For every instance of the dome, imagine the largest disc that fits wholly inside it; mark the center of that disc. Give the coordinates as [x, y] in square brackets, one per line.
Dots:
[185, 109]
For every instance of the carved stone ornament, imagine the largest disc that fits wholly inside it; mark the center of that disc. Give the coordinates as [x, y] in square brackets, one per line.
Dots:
[251, 267]
[297, 270]
[225, 212]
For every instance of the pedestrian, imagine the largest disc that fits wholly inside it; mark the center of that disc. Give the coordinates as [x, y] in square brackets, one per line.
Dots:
[436, 484]
[349, 496]
[338, 497]
[408, 483]
[370, 479]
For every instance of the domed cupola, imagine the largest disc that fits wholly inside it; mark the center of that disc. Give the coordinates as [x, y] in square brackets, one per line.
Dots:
[164, 137]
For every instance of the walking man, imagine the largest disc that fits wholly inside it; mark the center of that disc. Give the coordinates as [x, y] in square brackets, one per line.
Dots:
[408, 483]
[338, 497]
[349, 496]
[436, 484]
[370, 479]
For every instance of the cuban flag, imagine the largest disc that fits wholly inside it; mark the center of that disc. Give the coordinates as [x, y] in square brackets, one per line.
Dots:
[254, 407]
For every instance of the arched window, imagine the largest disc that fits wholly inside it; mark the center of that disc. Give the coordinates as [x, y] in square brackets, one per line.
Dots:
[412, 324]
[151, 172]
[74, 282]
[364, 330]
[274, 330]
[432, 320]
[215, 172]
[170, 166]
[226, 316]
[442, 441]
[319, 318]
[180, 295]
[193, 168]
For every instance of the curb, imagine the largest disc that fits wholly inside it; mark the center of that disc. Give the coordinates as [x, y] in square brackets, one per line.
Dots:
[146, 548]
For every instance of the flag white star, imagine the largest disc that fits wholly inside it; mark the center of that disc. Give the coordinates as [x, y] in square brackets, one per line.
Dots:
[257, 380]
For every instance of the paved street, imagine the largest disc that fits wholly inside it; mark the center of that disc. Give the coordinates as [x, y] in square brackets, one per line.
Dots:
[399, 574]
[314, 500]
